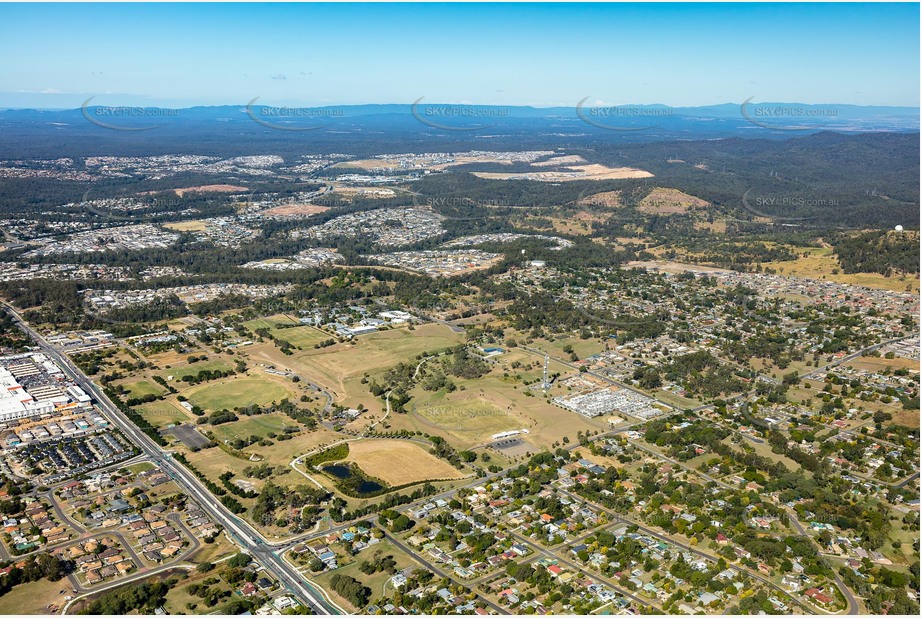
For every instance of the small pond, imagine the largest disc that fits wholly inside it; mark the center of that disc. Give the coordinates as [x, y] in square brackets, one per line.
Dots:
[359, 485]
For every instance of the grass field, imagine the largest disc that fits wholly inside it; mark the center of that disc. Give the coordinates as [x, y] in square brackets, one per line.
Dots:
[474, 419]
[213, 461]
[194, 368]
[878, 363]
[669, 201]
[822, 262]
[237, 392]
[144, 466]
[35, 598]
[398, 462]
[253, 425]
[545, 422]
[270, 322]
[178, 597]
[582, 347]
[298, 336]
[221, 548]
[142, 388]
[301, 336]
[907, 418]
[676, 400]
[339, 368]
[163, 413]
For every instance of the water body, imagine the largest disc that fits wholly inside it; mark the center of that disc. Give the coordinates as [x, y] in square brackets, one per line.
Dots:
[360, 486]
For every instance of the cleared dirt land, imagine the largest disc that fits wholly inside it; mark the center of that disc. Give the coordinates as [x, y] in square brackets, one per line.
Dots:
[420, 163]
[293, 210]
[594, 171]
[398, 462]
[210, 189]
[186, 226]
[562, 160]
[607, 199]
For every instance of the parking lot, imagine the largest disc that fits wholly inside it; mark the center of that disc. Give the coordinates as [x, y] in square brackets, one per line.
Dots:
[188, 435]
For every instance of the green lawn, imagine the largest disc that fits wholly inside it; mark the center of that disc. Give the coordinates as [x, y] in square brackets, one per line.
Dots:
[142, 388]
[298, 336]
[194, 368]
[236, 392]
[253, 425]
[144, 466]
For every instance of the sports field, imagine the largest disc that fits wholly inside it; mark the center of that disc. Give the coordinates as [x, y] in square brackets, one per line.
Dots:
[194, 368]
[475, 419]
[237, 392]
[247, 426]
[398, 462]
[469, 416]
[301, 336]
[142, 388]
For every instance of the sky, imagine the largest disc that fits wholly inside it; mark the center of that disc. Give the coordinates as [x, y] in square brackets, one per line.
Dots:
[179, 55]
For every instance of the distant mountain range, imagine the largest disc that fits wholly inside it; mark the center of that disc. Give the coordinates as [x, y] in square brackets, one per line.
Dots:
[421, 126]
[788, 112]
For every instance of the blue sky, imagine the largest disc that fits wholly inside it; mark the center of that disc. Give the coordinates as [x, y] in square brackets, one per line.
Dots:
[503, 54]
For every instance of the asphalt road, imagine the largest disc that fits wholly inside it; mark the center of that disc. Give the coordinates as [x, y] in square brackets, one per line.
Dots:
[243, 534]
[853, 607]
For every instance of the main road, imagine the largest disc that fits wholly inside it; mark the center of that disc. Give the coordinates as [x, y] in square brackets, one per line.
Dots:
[243, 534]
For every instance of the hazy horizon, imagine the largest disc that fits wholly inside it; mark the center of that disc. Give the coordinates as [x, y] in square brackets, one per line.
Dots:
[537, 55]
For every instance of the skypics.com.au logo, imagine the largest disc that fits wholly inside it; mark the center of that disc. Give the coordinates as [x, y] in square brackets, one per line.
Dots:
[124, 118]
[767, 205]
[440, 116]
[295, 119]
[462, 208]
[621, 117]
[781, 117]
